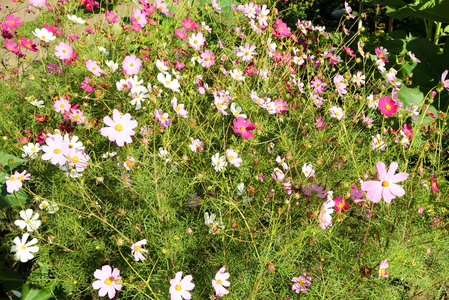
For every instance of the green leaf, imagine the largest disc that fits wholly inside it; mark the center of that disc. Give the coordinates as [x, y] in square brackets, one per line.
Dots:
[10, 279]
[434, 10]
[410, 96]
[9, 162]
[29, 293]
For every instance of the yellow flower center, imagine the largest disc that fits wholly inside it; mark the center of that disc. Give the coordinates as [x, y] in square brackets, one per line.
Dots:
[262, 16]
[12, 178]
[64, 51]
[162, 118]
[108, 281]
[21, 178]
[178, 287]
[117, 281]
[56, 151]
[382, 271]
[62, 105]
[242, 128]
[33, 149]
[385, 184]
[167, 82]
[301, 281]
[118, 127]
[93, 68]
[195, 42]
[231, 157]
[131, 65]
[387, 107]
[207, 58]
[178, 108]
[23, 247]
[75, 160]
[28, 221]
[323, 211]
[43, 37]
[137, 249]
[219, 281]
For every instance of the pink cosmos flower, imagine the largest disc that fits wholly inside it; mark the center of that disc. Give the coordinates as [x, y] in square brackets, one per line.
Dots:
[63, 51]
[243, 127]
[196, 41]
[197, 145]
[207, 59]
[56, 150]
[162, 118]
[381, 52]
[38, 3]
[179, 108]
[326, 211]
[111, 16]
[444, 81]
[280, 105]
[12, 22]
[28, 44]
[136, 250]
[108, 281]
[120, 128]
[132, 65]
[315, 190]
[356, 194]
[188, 24]
[181, 33]
[86, 86]
[233, 158]
[220, 282]
[162, 7]
[340, 204]
[62, 105]
[349, 51]
[262, 15]
[386, 187]
[179, 288]
[383, 265]
[434, 186]
[14, 182]
[387, 106]
[301, 283]
[11, 46]
[216, 6]
[93, 67]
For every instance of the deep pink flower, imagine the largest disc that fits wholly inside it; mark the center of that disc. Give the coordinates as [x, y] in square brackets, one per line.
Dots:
[120, 128]
[28, 44]
[11, 46]
[132, 65]
[243, 127]
[181, 33]
[340, 204]
[188, 24]
[12, 22]
[386, 187]
[434, 186]
[111, 16]
[387, 106]
[108, 281]
[349, 51]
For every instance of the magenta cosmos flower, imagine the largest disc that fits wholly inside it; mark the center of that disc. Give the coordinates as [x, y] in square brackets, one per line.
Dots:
[179, 288]
[108, 281]
[243, 127]
[132, 65]
[120, 128]
[386, 187]
[387, 106]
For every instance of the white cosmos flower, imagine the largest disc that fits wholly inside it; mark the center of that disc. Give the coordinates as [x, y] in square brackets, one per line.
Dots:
[214, 225]
[31, 150]
[103, 50]
[44, 35]
[75, 19]
[29, 221]
[219, 162]
[308, 170]
[23, 249]
[165, 79]
[236, 111]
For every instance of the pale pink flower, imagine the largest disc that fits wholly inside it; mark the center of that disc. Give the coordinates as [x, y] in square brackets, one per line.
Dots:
[197, 146]
[120, 128]
[220, 282]
[246, 53]
[93, 67]
[179, 289]
[64, 51]
[62, 105]
[179, 108]
[132, 65]
[136, 250]
[233, 158]
[336, 112]
[162, 7]
[108, 281]
[14, 182]
[216, 6]
[207, 59]
[382, 269]
[386, 187]
[56, 150]
[262, 15]
[301, 283]
[308, 170]
[444, 80]
[196, 41]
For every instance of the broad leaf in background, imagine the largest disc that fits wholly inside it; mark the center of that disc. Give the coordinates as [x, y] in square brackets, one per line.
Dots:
[10, 280]
[9, 162]
[30, 293]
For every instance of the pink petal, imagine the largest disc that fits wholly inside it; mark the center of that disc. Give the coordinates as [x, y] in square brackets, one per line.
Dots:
[186, 295]
[108, 121]
[399, 177]
[381, 170]
[387, 195]
[116, 116]
[107, 270]
[371, 185]
[374, 195]
[396, 190]
[97, 284]
[111, 292]
[391, 170]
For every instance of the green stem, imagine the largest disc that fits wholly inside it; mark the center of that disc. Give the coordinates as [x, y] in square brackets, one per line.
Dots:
[429, 29]
[437, 33]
